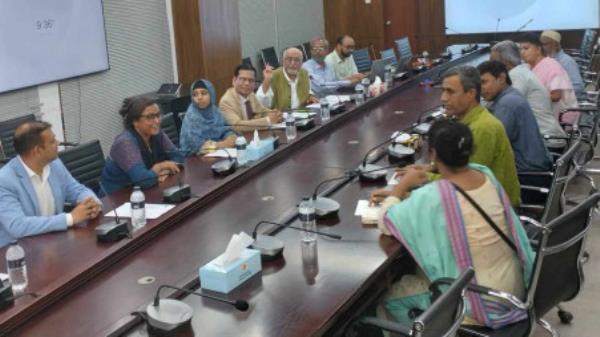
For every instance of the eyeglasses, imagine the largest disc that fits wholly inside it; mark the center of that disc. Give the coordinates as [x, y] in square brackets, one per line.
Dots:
[150, 117]
[293, 59]
[319, 48]
[247, 80]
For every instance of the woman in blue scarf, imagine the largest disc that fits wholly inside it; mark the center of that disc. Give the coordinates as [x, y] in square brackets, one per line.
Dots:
[203, 126]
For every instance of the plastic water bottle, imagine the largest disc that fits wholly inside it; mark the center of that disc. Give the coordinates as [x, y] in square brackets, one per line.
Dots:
[325, 113]
[240, 146]
[138, 208]
[366, 83]
[359, 94]
[388, 77]
[290, 126]
[17, 270]
[307, 218]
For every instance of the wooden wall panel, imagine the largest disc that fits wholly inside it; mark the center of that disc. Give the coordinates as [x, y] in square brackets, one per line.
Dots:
[400, 19]
[188, 41]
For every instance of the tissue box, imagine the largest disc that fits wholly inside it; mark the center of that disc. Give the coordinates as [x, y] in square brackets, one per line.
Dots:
[224, 279]
[256, 151]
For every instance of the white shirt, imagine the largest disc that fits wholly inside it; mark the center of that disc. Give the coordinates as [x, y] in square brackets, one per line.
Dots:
[43, 192]
[266, 98]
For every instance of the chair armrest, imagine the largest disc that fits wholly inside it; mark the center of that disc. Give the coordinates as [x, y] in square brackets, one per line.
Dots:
[536, 173]
[556, 137]
[386, 325]
[531, 221]
[515, 301]
[584, 108]
[543, 190]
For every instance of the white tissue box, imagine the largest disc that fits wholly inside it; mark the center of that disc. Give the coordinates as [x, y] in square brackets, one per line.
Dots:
[256, 151]
[224, 279]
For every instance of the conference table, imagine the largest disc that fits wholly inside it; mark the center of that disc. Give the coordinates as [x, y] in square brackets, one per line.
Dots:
[88, 288]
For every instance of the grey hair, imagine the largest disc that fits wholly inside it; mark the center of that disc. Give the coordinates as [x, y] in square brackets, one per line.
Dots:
[316, 40]
[286, 50]
[468, 76]
[508, 53]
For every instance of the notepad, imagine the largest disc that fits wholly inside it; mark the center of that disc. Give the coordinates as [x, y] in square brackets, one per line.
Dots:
[223, 153]
[153, 211]
[367, 213]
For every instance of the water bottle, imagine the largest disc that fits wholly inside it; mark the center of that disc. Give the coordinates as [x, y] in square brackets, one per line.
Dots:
[17, 270]
[359, 96]
[307, 218]
[366, 83]
[325, 113]
[240, 146]
[290, 126]
[389, 80]
[138, 208]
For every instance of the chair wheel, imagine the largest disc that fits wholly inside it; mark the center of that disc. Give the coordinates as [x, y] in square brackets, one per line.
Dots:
[565, 317]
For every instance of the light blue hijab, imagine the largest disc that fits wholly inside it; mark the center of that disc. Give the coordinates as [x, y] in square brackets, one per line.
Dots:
[201, 125]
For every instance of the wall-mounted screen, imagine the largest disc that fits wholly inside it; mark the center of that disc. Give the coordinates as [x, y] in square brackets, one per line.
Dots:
[48, 40]
[488, 16]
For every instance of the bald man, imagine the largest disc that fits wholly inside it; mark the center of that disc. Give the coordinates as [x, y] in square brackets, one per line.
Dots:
[35, 185]
[288, 87]
[341, 60]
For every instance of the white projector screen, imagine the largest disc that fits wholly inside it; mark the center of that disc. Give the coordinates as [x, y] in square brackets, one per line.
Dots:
[481, 16]
[48, 40]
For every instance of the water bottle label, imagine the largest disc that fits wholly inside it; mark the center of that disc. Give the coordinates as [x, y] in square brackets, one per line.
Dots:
[240, 147]
[289, 123]
[304, 217]
[16, 263]
[138, 205]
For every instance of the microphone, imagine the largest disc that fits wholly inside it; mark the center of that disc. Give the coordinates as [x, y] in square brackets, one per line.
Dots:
[524, 25]
[240, 305]
[224, 167]
[114, 230]
[271, 247]
[495, 40]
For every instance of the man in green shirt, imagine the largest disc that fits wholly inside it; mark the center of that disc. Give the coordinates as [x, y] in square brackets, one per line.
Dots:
[342, 62]
[461, 88]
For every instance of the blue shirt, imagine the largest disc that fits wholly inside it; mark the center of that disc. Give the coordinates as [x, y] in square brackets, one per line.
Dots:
[322, 78]
[512, 109]
[572, 69]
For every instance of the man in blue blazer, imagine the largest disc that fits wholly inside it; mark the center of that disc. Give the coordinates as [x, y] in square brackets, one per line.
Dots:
[35, 185]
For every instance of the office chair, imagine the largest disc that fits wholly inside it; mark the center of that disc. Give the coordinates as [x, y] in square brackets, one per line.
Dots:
[247, 60]
[442, 318]
[169, 126]
[389, 54]
[269, 56]
[178, 106]
[405, 51]
[307, 50]
[304, 54]
[362, 60]
[85, 163]
[7, 132]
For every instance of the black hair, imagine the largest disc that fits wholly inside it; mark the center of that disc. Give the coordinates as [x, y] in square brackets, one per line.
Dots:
[529, 37]
[494, 68]
[132, 109]
[452, 142]
[469, 78]
[243, 66]
[29, 135]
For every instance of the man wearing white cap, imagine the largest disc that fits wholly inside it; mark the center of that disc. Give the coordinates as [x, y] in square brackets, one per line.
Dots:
[550, 40]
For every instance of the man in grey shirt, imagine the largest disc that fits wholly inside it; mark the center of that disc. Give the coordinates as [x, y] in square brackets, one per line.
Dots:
[538, 97]
[511, 108]
[551, 43]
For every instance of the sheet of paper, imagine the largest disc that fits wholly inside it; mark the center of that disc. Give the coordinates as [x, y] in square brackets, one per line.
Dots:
[153, 211]
[222, 153]
[303, 115]
[362, 208]
[278, 126]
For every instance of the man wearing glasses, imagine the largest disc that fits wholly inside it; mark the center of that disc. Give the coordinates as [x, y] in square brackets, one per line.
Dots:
[322, 77]
[342, 62]
[239, 104]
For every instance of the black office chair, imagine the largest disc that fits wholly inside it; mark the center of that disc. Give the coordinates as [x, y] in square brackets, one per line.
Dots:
[307, 50]
[178, 106]
[557, 273]
[7, 132]
[362, 60]
[389, 54]
[168, 125]
[442, 318]
[247, 60]
[269, 56]
[85, 163]
[304, 54]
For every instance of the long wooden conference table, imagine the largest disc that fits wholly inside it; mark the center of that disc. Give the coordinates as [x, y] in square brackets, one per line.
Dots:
[87, 288]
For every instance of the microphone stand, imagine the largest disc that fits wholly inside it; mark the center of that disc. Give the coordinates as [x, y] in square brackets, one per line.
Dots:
[240, 305]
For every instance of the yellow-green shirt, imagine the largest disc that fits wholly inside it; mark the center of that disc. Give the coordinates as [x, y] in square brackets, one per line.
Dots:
[493, 149]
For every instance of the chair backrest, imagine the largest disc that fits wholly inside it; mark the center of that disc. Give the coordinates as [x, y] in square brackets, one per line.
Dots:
[555, 202]
[557, 275]
[587, 42]
[389, 54]
[168, 125]
[362, 60]
[7, 132]
[247, 60]
[269, 56]
[307, 50]
[304, 55]
[405, 51]
[85, 163]
[446, 313]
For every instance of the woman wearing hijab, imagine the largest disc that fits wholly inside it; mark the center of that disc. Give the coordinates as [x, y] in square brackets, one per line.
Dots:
[203, 126]
[143, 154]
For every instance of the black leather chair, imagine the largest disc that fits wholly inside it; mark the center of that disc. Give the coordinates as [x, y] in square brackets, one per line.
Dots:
[247, 60]
[179, 106]
[304, 54]
[85, 163]
[307, 50]
[442, 318]
[269, 56]
[169, 126]
[362, 60]
[7, 132]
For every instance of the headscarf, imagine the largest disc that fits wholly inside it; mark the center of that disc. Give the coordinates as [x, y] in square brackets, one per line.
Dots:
[201, 125]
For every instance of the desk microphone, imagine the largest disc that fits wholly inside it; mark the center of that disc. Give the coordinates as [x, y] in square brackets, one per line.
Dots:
[180, 192]
[495, 40]
[114, 230]
[240, 305]
[224, 167]
[271, 247]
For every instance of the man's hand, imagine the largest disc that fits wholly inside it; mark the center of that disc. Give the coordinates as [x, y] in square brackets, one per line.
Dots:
[357, 77]
[85, 210]
[312, 99]
[267, 76]
[275, 116]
